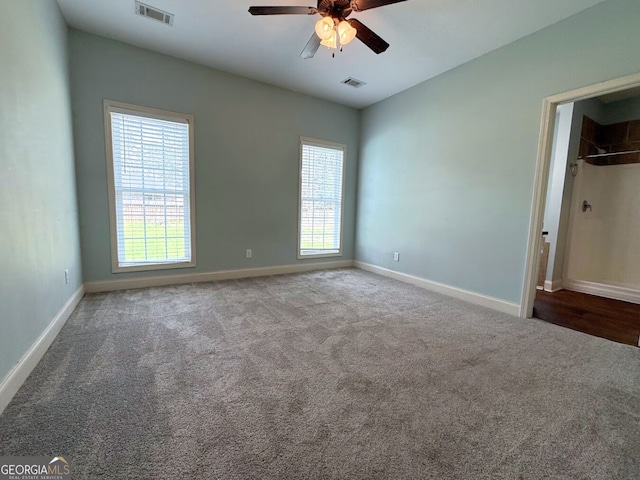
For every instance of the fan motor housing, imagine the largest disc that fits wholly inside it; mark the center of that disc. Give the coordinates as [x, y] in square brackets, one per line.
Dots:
[339, 9]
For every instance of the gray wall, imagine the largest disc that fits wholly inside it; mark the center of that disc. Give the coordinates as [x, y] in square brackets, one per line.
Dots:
[39, 237]
[447, 167]
[622, 111]
[246, 146]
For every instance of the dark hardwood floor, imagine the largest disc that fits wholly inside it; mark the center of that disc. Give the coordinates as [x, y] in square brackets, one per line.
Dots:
[611, 319]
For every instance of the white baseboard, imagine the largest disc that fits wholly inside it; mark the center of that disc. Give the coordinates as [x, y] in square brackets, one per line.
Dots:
[471, 297]
[12, 382]
[603, 290]
[553, 285]
[158, 281]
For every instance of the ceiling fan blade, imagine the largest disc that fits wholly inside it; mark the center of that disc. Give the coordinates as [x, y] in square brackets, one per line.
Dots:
[311, 47]
[368, 37]
[283, 10]
[360, 5]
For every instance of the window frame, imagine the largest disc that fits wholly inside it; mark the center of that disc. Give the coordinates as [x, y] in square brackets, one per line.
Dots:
[323, 144]
[110, 106]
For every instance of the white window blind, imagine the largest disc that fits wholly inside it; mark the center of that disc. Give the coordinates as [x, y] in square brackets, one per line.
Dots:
[151, 189]
[321, 186]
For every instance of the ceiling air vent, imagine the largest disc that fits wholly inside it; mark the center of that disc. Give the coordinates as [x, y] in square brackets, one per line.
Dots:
[352, 82]
[153, 13]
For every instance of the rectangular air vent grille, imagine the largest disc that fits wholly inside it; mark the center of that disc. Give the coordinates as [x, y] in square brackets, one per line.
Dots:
[352, 82]
[154, 13]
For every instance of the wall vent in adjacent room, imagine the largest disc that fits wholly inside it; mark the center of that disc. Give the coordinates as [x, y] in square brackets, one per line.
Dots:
[352, 82]
[153, 13]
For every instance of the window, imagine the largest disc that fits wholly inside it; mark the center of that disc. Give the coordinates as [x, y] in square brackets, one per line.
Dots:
[150, 177]
[321, 191]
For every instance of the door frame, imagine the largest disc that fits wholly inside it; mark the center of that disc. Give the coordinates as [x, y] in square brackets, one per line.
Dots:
[541, 178]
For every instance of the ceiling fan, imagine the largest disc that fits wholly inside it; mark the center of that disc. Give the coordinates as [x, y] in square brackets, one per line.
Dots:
[334, 30]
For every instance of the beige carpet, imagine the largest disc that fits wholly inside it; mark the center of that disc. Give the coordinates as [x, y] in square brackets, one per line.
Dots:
[337, 374]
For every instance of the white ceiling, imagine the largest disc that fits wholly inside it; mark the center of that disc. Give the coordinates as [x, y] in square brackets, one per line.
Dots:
[427, 37]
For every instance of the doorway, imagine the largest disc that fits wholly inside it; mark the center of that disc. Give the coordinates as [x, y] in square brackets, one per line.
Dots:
[598, 316]
[571, 303]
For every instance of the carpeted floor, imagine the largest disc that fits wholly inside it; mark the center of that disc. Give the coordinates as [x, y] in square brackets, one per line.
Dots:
[338, 374]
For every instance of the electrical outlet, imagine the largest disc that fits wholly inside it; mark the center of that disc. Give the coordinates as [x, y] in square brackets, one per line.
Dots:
[66, 276]
[249, 253]
[396, 256]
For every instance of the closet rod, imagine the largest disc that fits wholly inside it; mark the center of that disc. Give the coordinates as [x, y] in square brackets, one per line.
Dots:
[608, 154]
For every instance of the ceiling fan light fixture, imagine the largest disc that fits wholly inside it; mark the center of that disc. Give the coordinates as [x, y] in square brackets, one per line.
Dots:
[325, 28]
[346, 32]
[331, 42]
[333, 30]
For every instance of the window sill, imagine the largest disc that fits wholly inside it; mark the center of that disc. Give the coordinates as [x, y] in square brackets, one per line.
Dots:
[319, 255]
[151, 267]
